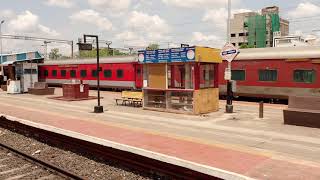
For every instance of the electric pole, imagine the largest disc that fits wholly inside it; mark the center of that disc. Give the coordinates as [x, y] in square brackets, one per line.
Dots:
[229, 106]
[2, 73]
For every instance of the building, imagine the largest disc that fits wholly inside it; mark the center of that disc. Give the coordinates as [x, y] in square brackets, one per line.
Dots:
[257, 29]
[289, 41]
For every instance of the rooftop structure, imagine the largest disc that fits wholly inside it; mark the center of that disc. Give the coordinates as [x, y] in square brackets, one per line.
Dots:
[24, 56]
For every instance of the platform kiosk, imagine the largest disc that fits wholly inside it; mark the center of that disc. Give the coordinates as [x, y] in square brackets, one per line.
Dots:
[181, 80]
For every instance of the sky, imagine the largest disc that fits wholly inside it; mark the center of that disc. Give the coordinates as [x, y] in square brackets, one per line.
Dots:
[137, 23]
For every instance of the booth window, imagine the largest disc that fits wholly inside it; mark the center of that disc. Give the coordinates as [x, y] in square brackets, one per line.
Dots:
[73, 73]
[238, 75]
[63, 73]
[107, 73]
[30, 71]
[268, 75]
[54, 73]
[305, 76]
[119, 73]
[180, 76]
[206, 75]
[83, 73]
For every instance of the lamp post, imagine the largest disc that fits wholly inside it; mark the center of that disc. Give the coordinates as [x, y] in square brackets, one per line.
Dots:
[1, 47]
[98, 108]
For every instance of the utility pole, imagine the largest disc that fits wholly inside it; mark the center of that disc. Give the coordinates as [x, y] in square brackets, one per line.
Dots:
[46, 48]
[2, 73]
[108, 44]
[99, 108]
[229, 106]
[72, 50]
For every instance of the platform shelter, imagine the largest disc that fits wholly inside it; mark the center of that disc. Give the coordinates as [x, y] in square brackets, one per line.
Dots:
[181, 80]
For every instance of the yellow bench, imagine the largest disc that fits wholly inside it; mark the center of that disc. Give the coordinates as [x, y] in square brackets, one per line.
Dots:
[130, 97]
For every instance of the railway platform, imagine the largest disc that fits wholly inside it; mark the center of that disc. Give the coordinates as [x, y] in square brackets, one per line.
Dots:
[236, 146]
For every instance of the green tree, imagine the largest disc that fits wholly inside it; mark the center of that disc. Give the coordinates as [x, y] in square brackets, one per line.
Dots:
[153, 47]
[54, 54]
[246, 46]
[103, 52]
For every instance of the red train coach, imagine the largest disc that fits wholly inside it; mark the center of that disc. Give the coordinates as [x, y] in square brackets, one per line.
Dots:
[123, 72]
[275, 72]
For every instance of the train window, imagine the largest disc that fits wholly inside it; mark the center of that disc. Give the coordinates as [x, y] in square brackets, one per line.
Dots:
[306, 76]
[238, 75]
[46, 73]
[54, 73]
[107, 73]
[63, 73]
[83, 73]
[94, 73]
[119, 73]
[268, 75]
[73, 73]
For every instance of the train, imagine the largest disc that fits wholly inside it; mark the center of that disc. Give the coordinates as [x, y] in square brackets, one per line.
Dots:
[123, 72]
[274, 73]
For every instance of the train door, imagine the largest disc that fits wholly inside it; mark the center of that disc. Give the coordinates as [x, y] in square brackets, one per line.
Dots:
[139, 76]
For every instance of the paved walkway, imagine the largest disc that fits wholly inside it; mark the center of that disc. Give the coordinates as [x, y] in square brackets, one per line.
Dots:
[240, 142]
[255, 164]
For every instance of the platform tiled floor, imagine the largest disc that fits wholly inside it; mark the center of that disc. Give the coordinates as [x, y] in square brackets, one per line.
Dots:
[192, 143]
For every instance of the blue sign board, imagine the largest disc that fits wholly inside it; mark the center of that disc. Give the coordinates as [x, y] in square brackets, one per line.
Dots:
[185, 54]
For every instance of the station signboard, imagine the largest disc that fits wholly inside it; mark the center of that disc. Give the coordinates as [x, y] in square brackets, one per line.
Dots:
[185, 54]
[85, 46]
[229, 52]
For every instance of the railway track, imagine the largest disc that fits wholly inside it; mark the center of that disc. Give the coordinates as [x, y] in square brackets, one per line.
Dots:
[148, 167]
[15, 164]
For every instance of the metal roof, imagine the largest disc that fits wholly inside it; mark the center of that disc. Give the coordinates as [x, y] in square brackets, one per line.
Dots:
[113, 59]
[306, 52]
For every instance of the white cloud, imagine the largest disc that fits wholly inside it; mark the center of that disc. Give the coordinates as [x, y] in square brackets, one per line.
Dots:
[152, 26]
[198, 37]
[90, 16]
[131, 39]
[7, 14]
[144, 29]
[106, 5]
[27, 22]
[218, 17]
[304, 9]
[60, 3]
[198, 3]
[201, 39]
[141, 4]
[127, 35]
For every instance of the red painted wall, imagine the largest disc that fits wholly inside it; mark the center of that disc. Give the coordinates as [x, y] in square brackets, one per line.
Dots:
[285, 72]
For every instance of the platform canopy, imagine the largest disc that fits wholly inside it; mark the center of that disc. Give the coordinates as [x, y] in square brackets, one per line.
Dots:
[184, 54]
[20, 57]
